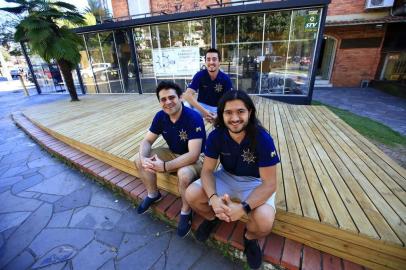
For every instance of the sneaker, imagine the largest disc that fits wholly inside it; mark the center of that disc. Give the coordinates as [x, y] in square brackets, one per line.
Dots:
[204, 230]
[253, 252]
[146, 203]
[184, 225]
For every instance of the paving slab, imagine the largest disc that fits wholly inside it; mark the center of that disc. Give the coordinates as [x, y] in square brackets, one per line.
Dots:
[98, 253]
[106, 198]
[60, 219]
[110, 238]
[63, 183]
[23, 236]
[9, 220]
[182, 254]
[12, 203]
[27, 183]
[56, 255]
[91, 217]
[138, 260]
[50, 238]
[22, 261]
[109, 265]
[77, 198]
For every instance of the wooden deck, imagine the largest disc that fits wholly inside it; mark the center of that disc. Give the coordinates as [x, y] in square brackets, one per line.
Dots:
[337, 192]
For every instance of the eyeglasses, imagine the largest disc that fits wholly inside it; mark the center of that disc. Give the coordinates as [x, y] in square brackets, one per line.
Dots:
[164, 99]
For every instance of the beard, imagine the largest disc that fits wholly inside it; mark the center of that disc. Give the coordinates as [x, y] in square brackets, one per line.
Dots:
[237, 129]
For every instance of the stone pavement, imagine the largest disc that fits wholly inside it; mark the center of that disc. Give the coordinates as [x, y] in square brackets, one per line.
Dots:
[368, 102]
[53, 217]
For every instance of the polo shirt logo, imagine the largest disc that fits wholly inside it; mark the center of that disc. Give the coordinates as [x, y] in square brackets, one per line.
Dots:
[198, 129]
[273, 153]
[248, 156]
[183, 135]
[218, 88]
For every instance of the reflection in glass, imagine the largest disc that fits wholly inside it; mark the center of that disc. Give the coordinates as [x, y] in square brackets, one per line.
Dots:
[186, 35]
[86, 70]
[98, 66]
[124, 61]
[143, 45]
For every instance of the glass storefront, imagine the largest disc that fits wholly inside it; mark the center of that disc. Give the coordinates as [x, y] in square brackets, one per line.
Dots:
[267, 53]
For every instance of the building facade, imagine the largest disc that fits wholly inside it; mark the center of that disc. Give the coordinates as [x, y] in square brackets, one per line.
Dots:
[365, 34]
[273, 48]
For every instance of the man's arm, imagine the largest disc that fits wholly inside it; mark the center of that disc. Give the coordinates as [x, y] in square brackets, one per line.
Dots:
[194, 147]
[190, 97]
[258, 196]
[147, 142]
[209, 185]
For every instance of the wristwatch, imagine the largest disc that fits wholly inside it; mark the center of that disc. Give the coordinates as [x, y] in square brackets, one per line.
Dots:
[246, 207]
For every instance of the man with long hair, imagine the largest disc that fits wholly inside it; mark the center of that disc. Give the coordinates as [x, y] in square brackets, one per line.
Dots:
[184, 132]
[208, 85]
[248, 157]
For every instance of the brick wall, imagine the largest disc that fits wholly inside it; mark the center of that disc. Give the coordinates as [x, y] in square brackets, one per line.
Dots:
[343, 7]
[179, 5]
[353, 65]
[120, 8]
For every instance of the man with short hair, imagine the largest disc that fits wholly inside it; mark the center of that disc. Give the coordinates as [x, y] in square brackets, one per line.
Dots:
[184, 132]
[209, 85]
[248, 157]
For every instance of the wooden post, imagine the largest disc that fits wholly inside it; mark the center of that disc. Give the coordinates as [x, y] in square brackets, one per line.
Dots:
[21, 76]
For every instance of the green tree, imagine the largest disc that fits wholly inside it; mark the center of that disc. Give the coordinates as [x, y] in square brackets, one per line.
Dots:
[42, 28]
[96, 9]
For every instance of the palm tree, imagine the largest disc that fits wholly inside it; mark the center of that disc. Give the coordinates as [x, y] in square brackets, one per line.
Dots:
[41, 27]
[96, 9]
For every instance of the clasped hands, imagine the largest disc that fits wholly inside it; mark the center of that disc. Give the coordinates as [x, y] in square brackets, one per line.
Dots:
[153, 164]
[225, 209]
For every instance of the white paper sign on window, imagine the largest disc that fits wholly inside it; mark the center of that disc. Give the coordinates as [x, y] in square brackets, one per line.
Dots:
[181, 61]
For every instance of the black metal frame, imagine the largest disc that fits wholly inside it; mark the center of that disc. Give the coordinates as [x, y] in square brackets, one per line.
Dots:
[212, 14]
[27, 58]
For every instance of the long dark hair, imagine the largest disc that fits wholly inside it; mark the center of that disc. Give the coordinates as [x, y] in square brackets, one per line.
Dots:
[253, 125]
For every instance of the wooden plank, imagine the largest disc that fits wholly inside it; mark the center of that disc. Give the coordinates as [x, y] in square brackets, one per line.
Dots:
[366, 189]
[292, 201]
[306, 198]
[338, 194]
[310, 161]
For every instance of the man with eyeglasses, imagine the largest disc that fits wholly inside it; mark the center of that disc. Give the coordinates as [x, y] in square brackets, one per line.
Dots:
[209, 85]
[183, 130]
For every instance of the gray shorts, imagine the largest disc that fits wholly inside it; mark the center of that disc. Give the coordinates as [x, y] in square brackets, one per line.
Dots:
[237, 187]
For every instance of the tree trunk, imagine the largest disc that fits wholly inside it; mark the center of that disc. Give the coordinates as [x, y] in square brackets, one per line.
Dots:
[67, 75]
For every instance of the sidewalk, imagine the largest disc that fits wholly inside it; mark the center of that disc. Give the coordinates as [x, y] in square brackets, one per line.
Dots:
[368, 102]
[52, 217]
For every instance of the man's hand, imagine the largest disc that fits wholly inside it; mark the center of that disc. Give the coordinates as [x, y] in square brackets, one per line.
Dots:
[235, 210]
[209, 116]
[219, 208]
[153, 164]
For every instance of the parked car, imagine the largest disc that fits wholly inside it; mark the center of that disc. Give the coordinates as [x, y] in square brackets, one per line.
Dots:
[14, 74]
[101, 70]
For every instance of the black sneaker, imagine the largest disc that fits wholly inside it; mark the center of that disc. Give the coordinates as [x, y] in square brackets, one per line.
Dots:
[184, 225]
[253, 252]
[146, 203]
[204, 230]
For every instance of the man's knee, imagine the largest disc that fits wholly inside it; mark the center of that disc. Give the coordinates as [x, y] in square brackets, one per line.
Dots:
[185, 176]
[194, 193]
[263, 217]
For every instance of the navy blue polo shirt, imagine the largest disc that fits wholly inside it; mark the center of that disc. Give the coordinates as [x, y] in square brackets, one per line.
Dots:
[238, 159]
[189, 126]
[210, 91]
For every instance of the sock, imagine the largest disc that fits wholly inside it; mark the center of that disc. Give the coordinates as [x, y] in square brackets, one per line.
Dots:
[153, 195]
[185, 213]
